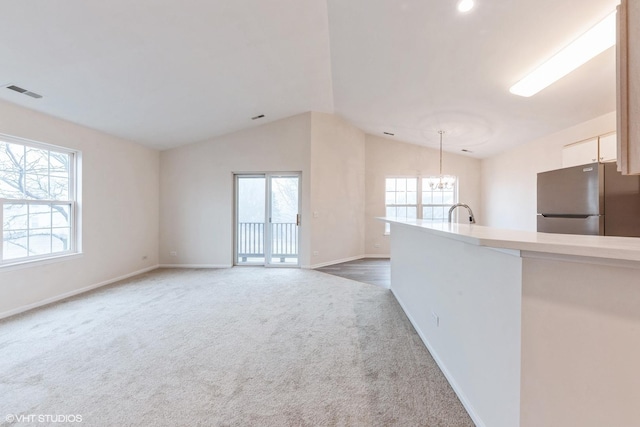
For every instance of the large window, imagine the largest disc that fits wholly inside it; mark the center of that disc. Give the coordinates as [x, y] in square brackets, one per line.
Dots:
[413, 198]
[436, 202]
[402, 197]
[37, 200]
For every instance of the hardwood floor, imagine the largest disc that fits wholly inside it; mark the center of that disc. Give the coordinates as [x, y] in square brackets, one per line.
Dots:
[375, 271]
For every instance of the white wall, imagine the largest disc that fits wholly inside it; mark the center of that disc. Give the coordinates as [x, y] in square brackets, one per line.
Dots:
[196, 208]
[337, 190]
[385, 157]
[197, 189]
[509, 179]
[120, 197]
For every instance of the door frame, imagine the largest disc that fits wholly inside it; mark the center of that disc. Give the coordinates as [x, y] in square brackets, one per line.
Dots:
[267, 229]
[236, 201]
[268, 241]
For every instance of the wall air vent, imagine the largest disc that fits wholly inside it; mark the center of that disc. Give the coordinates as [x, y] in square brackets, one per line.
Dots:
[23, 91]
[257, 117]
[389, 133]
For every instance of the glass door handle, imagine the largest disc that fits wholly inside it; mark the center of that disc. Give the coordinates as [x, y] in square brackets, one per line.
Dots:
[298, 220]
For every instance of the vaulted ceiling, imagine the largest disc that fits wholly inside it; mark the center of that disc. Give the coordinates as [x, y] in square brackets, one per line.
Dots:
[165, 73]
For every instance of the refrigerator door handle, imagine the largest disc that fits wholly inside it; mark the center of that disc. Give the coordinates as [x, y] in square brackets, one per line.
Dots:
[567, 216]
[571, 224]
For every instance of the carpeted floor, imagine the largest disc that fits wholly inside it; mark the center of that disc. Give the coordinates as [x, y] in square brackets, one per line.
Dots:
[236, 347]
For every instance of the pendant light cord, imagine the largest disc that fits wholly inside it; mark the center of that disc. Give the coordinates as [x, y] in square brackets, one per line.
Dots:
[440, 132]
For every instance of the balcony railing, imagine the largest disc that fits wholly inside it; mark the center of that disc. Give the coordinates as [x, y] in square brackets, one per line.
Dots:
[284, 240]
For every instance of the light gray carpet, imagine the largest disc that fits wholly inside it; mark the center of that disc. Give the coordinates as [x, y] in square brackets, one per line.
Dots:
[236, 347]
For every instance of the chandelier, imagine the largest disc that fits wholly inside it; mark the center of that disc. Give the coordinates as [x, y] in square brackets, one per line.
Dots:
[441, 182]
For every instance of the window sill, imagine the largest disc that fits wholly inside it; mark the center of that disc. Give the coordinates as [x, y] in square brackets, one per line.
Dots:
[38, 262]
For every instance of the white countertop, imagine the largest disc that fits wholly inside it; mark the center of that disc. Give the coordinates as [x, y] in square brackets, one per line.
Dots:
[622, 248]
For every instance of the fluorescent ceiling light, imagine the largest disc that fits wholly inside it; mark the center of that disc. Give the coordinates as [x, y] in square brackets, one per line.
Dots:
[465, 5]
[595, 41]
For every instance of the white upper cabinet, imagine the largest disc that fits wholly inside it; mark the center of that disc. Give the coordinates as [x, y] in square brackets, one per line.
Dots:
[580, 153]
[608, 148]
[599, 149]
[628, 86]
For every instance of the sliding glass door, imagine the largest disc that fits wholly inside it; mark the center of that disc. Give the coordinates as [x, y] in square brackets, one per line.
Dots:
[284, 219]
[267, 219]
[250, 219]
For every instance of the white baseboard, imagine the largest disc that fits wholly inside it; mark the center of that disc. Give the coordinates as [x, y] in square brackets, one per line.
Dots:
[195, 266]
[382, 256]
[454, 385]
[72, 293]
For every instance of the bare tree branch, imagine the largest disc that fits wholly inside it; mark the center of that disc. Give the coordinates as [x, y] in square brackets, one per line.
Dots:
[35, 174]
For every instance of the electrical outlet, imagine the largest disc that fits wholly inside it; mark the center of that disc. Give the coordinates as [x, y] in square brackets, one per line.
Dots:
[376, 245]
[316, 253]
[436, 319]
[173, 253]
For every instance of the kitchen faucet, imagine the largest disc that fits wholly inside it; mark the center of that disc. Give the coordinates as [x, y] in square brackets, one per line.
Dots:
[472, 219]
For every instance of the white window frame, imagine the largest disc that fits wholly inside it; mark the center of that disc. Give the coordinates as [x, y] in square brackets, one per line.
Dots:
[72, 202]
[446, 206]
[419, 205]
[415, 205]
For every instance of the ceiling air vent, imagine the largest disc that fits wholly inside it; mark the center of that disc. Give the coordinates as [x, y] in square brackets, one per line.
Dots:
[389, 133]
[24, 91]
[257, 117]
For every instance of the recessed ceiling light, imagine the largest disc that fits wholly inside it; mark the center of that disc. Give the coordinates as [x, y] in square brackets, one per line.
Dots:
[465, 5]
[595, 41]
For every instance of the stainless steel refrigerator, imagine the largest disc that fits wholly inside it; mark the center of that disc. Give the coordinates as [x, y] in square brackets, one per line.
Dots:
[590, 199]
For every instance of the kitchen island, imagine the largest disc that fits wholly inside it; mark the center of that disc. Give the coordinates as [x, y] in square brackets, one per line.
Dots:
[531, 329]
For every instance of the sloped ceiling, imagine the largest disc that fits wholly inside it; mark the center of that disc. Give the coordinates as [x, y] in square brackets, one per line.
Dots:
[166, 73]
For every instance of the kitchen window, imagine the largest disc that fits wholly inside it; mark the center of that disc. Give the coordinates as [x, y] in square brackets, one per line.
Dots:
[37, 201]
[437, 202]
[413, 198]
